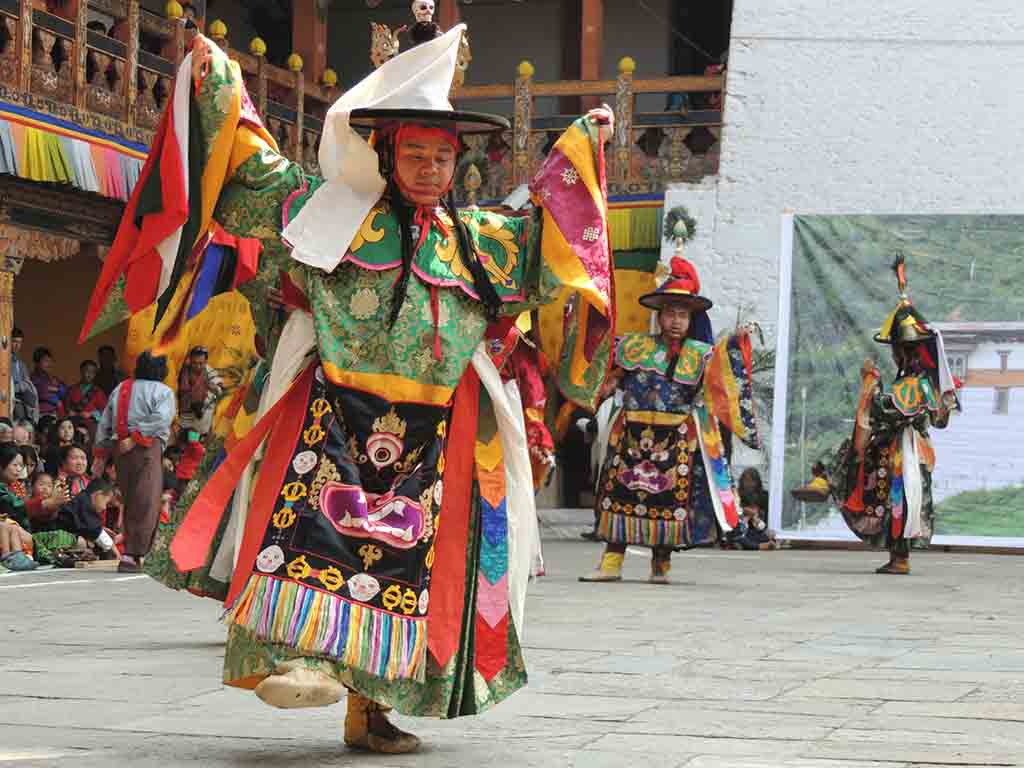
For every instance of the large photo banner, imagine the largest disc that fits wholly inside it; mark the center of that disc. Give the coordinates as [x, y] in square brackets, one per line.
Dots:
[966, 275]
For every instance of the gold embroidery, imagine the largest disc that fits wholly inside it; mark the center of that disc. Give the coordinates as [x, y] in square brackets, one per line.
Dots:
[493, 229]
[324, 474]
[367, 233]
[370, 555]
[331, 578]
[636, 349]
[390, 422]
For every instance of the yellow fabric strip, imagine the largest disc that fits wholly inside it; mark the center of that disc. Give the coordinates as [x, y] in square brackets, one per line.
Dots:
[630, 315]
[656, 418]
[575, 145]
[488, 455]
[219, 153]
[632, 229]
[247, 143]
[399, 388]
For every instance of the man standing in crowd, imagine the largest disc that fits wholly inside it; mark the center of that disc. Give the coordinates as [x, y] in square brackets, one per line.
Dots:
[109, 375]
[49, 388]
[134, 429]
[23, 391]
[198, 390]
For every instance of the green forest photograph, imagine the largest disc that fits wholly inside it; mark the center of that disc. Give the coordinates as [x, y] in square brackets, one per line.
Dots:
[960, 269]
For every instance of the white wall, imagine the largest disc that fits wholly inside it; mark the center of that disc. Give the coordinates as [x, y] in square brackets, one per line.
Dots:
[986, 356]
[856, 107]
[980, 449]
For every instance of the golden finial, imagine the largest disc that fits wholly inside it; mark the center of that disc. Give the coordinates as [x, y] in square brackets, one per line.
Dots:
[218, 31]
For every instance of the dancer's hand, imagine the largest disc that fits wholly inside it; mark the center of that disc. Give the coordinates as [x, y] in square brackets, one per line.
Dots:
[202, 56]
[604, 117]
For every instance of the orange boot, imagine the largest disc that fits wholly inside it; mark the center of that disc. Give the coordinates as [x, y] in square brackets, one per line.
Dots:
[367, 728]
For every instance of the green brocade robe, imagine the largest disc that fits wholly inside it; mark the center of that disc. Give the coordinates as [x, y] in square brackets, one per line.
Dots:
[406, 376]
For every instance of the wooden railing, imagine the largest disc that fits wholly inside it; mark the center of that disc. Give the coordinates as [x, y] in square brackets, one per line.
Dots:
[112, 82]
[648, 152]
[120, 83]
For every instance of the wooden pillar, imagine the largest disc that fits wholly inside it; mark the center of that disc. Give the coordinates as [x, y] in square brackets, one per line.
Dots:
[177, 52]
[133, 58]
[522, 124]
[10, 265]
[623, 139]
[572, 11]
[25, 46]
[81, 16]
[309, 36]
[300, 108]
[261, 86]
[448, 13]
[591, 46]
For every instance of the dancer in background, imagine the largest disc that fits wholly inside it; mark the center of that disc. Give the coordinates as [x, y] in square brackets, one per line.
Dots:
[882, 476]
[666, 482]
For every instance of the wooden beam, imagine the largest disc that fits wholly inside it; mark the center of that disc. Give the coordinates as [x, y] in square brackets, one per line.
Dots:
[688, 83]
[572, 12]
[309, 37]
[59, 209]
[448, 13]
[6, 326]
[591, 45]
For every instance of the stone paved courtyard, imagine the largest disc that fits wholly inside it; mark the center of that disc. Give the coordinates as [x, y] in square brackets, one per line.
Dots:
[789, 658]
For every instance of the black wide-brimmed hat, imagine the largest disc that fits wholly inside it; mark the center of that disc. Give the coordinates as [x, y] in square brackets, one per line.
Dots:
[463, 122]
[904, 325]
[681, 287]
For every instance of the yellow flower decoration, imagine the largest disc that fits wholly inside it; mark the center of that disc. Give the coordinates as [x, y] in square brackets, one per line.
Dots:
[364, 304]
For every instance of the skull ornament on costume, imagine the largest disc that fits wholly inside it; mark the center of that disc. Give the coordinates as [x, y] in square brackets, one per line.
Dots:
[363, 587]
[423, 10]
[304, 462]
[393, 520]
[270, 559]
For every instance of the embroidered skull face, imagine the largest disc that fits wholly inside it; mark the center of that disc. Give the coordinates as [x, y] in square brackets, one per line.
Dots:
[645, 476]
[304, 462]
[423, 10]
[363, 587]
[270, 559]
[393, 520]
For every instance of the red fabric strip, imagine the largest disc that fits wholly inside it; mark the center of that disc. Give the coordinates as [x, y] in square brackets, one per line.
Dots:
[491, 647]
[448, 580]
[124, 398]
[435, 311]
[271, 476]
[191, 544]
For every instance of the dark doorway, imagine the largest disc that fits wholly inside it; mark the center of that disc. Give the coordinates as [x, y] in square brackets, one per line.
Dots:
[705, 27]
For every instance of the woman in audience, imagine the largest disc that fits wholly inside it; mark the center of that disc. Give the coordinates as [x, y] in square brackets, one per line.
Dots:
[73, 469]
[61, 435]
[85, 401]
[16, 515]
